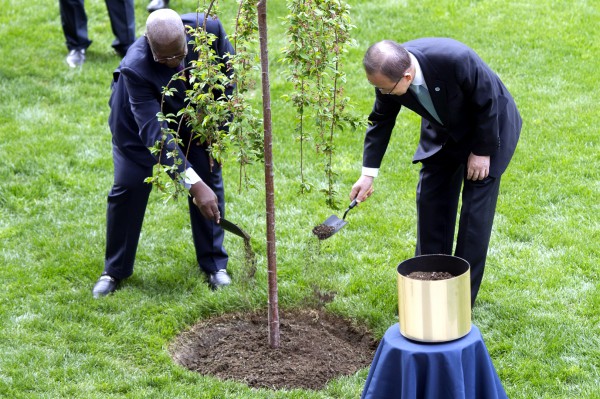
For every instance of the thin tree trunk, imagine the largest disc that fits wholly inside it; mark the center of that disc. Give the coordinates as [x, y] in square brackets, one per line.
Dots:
[269, 186]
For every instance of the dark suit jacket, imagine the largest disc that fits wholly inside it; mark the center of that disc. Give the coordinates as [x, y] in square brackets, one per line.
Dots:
[478, 113]
[137, 94]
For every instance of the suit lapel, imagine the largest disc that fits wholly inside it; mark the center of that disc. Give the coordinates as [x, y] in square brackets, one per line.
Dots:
[411, 101]
[435, 86]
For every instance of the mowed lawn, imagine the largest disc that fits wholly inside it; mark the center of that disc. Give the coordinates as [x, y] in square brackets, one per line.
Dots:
[539, 305]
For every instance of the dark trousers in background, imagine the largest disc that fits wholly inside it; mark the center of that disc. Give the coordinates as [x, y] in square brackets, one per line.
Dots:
[438, 193]
[74, 23]
[127, 201]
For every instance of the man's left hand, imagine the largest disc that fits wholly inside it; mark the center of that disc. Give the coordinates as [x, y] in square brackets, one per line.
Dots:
[478, 167]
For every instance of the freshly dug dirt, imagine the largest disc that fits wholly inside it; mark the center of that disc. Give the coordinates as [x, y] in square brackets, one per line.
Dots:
[316, 347]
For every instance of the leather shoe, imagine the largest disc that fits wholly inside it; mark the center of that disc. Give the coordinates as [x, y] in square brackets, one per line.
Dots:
[219, 279]
[157, 5]
[76, 58]
[104, 286]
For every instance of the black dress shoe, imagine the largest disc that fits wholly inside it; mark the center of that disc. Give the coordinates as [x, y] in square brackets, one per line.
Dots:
[157, 5]
[104, 286]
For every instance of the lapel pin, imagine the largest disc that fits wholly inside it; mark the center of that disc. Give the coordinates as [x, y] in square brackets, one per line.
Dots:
[437, 89]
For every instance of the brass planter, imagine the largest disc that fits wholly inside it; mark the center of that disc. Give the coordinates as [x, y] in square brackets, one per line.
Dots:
[434, 310]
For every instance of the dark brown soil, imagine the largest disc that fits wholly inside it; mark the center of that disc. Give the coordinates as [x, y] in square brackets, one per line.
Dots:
[323, 231]
[316, 347]
[430, 275]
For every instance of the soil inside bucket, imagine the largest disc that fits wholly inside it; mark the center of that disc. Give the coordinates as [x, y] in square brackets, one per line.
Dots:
[430, 276]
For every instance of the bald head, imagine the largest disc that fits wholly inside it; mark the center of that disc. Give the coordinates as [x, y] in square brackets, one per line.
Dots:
[165, 30]
[386, 58]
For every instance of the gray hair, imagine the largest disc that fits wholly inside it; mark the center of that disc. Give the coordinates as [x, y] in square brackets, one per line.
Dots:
[164, 29]
[387, 58]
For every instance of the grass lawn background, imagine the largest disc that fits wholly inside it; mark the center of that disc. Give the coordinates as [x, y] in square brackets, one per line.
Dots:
[539, 305]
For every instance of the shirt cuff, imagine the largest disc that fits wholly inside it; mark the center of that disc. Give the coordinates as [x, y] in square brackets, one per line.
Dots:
[190, 178]
[373, 172]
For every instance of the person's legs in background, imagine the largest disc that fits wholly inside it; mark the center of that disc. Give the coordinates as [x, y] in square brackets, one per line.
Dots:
[122, 22]
[74, 24]
[157, 5]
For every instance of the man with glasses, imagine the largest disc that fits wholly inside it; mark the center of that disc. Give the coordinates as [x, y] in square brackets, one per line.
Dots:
[469, 131]
[136, 99]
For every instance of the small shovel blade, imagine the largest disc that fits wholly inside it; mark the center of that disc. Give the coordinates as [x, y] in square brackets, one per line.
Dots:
[335, 222]
[332, 225]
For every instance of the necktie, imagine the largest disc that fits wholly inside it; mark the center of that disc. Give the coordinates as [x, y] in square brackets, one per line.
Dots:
[425, 99]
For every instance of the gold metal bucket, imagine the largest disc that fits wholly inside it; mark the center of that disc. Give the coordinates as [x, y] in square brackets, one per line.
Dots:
[434, 310]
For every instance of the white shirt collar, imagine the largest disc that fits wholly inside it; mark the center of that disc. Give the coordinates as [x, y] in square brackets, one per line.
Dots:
[418, 79]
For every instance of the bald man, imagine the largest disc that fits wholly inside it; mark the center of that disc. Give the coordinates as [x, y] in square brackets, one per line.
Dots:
[136, 98]
[470, 126]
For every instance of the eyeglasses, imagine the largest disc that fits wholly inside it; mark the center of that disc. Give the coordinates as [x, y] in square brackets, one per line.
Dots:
[167, 59]
[386, 92]
[163, 60]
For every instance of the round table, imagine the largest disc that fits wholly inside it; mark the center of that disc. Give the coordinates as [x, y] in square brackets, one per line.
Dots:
[459, 369]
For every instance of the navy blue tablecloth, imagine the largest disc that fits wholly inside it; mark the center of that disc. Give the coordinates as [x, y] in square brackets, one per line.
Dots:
[405, 369]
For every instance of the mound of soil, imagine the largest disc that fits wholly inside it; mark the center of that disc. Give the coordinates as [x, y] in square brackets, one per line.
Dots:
[316, 347]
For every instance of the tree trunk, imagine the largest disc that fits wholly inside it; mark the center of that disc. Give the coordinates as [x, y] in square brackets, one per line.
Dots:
[269, 186]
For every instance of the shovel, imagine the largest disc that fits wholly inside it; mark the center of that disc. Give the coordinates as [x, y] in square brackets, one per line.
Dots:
[332, 225]
[231, 227]
[234, 229]
[250, 257]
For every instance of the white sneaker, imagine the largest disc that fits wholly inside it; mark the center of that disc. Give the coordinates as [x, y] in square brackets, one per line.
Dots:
[219, 279]
[157, 5]
[75, 58]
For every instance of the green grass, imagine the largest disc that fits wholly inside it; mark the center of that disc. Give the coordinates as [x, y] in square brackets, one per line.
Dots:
[539, 306]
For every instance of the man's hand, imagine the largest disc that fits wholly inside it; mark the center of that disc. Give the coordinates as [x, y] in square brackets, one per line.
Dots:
[206, 200]
[362, 189]
[478, 167]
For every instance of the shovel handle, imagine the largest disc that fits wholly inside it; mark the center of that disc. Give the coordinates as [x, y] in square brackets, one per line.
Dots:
[352, 205]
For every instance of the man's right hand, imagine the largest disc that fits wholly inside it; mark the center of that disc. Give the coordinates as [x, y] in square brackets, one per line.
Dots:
[206, 200]
[362, 189]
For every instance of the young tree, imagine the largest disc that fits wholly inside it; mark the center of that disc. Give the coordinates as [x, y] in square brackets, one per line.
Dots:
[269, 184]
[319, 33]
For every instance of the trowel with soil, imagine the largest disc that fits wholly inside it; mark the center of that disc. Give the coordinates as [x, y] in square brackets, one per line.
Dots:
[332, 225]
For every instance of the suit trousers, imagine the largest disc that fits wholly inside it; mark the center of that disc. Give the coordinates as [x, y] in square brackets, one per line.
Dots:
[74, 23]
[438, 192]
[127, 201]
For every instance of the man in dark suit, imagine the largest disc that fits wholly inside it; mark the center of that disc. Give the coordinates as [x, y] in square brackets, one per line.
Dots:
[74, 23]
[469, 130]
[136, 98]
